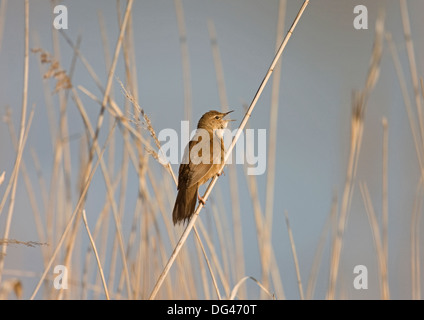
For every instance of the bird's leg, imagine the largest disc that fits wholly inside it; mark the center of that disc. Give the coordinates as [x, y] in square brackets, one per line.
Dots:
[201, 200]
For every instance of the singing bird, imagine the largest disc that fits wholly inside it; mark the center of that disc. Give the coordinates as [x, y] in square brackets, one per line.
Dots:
[202, 160]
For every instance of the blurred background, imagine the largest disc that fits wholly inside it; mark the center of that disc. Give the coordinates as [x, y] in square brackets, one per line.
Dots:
[173, 59]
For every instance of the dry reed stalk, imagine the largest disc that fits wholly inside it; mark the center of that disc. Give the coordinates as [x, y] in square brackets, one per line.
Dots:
[385, 193]
[276, 279]
[100, 118]
[223, 231]
[418, 230]
[84, 218]
[273, 128]
[3, 7]
[145, 192]
[208, 264]
[108, 63]
[415, 271]
[2, 177]
[158, 194]
[60, 147]
[63, 149]
[71, 219]
[84, 61]
[296, 261]
[186, 289]
[149, 127]
[125, 152]
[232, 171]
[357, 125]
[414, 239]
[414, 77]
[188, 266]
[141, 164]
[381, 258]
[111, 73]
[145, 119]
[124, 170]
[48, 97]
[123, 173]
[131, 240]
[407, 101]
[203, 276]
[138, 291]
[356, 139]
[53, 194]
[44, 196]
[103, 225]
[100, 227]
[163, 257]
[14, 177]
[185, 60]
[266, 250]
[214, 258]
[131, 57]
[51, 116]
[237, 286]
[412, 63]
[134, 161]
[129, 60]
[119, 115]
[106, 98]
[31, 244]
[63, 96]
[41, 180]
[144, 279]
[422, 87]
[112, 267]
[62, 153]
[109, 189]
[10, 285]
[320, 248]
[28, 185]
[227, 155]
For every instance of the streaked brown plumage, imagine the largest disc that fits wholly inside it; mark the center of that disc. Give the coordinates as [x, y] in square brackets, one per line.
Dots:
[192, 173]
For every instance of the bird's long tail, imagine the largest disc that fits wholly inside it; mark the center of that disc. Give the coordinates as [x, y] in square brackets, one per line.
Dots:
[184, 204]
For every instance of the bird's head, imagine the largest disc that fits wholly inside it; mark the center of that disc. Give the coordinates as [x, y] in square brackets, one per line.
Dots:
[214, 120]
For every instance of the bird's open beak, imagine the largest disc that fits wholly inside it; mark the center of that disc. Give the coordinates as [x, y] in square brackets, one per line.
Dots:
[228, 120]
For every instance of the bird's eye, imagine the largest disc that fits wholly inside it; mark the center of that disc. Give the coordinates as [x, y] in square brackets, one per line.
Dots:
[217, 117]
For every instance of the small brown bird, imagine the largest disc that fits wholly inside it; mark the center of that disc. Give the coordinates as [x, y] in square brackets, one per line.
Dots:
[202, 160]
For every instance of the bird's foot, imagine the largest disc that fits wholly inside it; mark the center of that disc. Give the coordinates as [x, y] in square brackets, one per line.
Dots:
[201, 200]
[220, 173]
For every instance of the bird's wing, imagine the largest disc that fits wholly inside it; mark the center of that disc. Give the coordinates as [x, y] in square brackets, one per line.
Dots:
[198, 171]
[201, 171]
